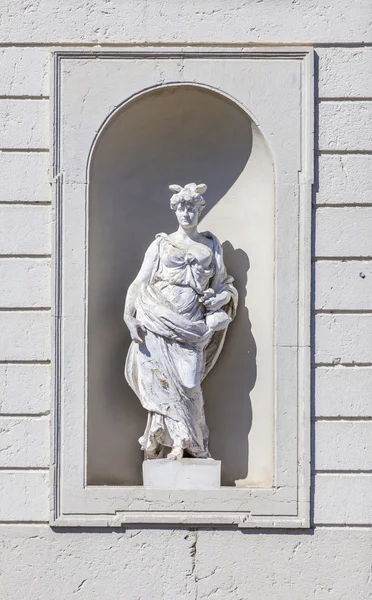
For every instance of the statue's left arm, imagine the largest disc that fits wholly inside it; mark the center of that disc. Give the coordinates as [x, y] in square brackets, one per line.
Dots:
[221, 282]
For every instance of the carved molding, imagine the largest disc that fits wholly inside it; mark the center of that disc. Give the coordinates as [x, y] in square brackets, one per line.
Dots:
[287, 503]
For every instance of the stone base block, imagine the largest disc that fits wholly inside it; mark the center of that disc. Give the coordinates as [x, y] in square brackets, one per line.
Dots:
[185, 474]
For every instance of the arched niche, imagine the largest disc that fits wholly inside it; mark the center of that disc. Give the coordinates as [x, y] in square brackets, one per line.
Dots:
[178, 134]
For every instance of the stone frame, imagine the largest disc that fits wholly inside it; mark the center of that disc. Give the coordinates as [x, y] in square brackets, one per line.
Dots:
[287, 502]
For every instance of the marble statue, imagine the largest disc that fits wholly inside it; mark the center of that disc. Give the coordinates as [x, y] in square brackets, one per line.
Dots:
[177, 311]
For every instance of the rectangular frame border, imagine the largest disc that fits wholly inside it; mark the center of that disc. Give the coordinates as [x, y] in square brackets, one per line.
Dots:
[246, 520]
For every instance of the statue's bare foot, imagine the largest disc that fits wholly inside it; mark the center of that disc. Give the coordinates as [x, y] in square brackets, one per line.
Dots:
[176, 453]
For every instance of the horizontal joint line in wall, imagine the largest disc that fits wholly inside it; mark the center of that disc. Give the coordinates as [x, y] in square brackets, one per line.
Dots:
[156, 44]
[341, 419]
[342, 45]
[29, 469]
[30, 258]
[25, 203]
[25, 309]
[344, 98]
[347, 365]
[351, 472]
[24, 415]
[325, 311]
[339, 364]
[136, 44]
[25, 362]
[341, 525]
[24, 522]
[25, 97]
[25, 256]
[341, 258]
[343, 205]
[35, 523]
[326, 151]
[15, 150]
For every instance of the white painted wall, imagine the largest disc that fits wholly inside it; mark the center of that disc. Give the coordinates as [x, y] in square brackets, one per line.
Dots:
[334, 558]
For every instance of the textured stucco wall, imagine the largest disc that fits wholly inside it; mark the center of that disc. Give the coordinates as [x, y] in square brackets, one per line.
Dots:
[333, 560]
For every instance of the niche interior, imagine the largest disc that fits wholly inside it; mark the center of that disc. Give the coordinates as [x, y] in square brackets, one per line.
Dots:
[179, 134]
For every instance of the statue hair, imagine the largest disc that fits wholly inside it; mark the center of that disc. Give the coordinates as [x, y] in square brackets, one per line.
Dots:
[191, 193]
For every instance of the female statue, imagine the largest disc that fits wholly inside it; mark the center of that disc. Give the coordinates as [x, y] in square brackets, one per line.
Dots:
[177, 311]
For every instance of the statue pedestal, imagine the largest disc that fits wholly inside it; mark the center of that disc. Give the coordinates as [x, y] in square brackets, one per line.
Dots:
[184, 474]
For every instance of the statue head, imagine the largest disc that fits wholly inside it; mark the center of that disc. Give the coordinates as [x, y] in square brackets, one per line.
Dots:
[188, 203]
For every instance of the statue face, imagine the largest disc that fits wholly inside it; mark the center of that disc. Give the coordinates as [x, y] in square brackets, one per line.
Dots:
[187, 214]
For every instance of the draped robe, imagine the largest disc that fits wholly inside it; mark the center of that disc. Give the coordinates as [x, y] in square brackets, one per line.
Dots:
[181, 344]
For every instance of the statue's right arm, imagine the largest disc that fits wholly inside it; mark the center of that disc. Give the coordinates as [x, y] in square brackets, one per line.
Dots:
[142, 279]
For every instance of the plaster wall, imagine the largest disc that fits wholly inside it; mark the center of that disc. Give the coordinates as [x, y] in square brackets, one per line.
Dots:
[333, 559]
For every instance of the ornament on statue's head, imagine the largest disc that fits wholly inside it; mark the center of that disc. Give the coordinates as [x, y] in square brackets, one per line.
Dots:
[191, 193]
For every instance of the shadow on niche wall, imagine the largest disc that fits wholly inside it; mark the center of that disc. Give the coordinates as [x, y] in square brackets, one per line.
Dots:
[230, 418]
[171, 135]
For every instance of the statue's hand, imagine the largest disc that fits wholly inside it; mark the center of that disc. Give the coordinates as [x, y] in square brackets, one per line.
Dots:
[136, 330]
[217, 301]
